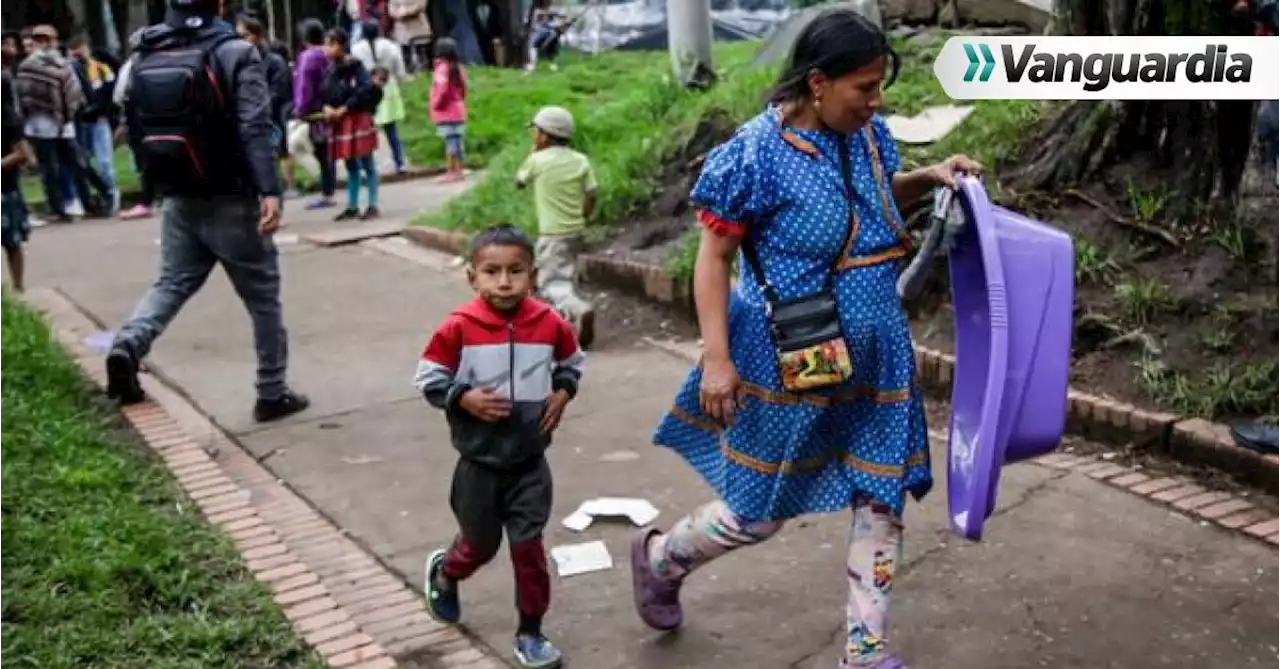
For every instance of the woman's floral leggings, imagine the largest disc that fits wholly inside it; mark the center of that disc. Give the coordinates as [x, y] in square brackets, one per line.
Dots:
[875, 548]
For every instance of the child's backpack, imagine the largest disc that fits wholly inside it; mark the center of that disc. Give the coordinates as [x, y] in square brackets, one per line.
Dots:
[181, 122]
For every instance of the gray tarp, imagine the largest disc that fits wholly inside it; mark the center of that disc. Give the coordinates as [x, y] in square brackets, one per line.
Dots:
[642, 24]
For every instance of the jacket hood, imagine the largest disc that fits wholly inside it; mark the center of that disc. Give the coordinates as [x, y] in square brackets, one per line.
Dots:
[178, 27]
[50, 56]
[481, 312]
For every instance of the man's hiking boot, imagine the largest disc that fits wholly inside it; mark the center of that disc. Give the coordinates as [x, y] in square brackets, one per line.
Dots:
[285, 405]
[122, 375]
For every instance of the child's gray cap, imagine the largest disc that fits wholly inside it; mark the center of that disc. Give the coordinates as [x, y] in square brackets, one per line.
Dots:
[555, 121]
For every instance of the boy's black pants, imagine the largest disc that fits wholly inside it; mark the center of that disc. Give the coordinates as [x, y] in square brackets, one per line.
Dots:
[487, 501]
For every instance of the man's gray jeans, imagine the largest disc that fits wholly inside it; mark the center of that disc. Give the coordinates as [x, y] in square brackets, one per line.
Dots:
[197, 234]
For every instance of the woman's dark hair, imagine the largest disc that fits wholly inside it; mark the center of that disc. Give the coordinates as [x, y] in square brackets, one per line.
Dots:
[369, 31]
[340, 36]
[836, 42]
[252, 24]
[447, 49]
[312, 31]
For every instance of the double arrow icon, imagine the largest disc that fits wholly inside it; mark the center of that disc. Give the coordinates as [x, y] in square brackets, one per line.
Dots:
[988, 62]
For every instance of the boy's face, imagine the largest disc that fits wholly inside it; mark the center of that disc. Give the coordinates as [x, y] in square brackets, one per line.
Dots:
[380, 80]
[333, 49]
[81, 52]
[540, 139]
[503, 275]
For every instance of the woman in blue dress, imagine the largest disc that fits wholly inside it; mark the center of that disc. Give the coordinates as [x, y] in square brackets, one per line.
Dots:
[811, 184]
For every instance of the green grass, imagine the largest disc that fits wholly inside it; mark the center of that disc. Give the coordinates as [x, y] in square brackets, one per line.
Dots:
[105, 563]
[629, 114]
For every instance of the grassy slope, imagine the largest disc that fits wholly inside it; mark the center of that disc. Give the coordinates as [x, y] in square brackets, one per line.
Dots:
[105, 563]
[629, 115]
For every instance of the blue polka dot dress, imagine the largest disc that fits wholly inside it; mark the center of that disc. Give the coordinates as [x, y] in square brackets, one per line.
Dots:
[789, 453]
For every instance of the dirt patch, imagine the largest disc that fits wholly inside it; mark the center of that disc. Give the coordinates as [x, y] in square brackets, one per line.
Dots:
[654, 234]
[623, 320]
[1182, 318]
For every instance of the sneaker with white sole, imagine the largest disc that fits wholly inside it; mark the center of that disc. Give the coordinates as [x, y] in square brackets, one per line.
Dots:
[537, 652]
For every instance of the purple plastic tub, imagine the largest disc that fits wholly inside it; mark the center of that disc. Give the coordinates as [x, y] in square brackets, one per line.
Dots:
[1013, 288]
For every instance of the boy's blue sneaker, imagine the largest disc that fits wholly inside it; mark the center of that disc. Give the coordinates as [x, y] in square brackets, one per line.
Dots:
[536, 652]
[442, 604]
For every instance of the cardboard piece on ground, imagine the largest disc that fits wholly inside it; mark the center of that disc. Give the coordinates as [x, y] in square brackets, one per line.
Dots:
[639, 511]
[574, 559]
[928, 126]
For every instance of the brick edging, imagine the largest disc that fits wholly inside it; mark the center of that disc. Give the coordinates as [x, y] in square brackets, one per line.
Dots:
[1192, 441]
[341, 600]
[1229, 511]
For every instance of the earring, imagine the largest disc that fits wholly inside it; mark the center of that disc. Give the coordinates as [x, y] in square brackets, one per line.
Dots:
[817, 104]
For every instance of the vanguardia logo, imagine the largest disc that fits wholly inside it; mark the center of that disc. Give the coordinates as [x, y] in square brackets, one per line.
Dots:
[987, 63]
[1120, 68]
[1097, 70]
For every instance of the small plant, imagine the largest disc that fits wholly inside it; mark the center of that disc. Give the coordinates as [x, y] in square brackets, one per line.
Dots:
[1231, 239]
[1146, 205]
[1223, 390]
[1239, 242]
[1093, 264]
[1143, 299]
[1218, 341]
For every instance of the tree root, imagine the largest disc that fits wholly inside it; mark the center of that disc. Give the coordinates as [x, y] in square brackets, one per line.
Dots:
[1138, 226]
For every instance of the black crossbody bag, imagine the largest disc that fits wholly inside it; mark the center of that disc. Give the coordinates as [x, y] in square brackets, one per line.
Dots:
[807, 336]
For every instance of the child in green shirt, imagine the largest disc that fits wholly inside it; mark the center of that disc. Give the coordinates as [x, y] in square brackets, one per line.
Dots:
[564, 194]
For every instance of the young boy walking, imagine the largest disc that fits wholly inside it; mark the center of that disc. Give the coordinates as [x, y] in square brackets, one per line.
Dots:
[564, 193]
[502, 367]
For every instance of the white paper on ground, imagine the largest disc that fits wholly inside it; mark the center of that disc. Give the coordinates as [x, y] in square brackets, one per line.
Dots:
[574, 559]
[639, 511]
[577, 521]
[100, 341]
[928, 126]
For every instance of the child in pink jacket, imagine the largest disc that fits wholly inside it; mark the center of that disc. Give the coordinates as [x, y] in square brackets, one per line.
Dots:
[449, 105]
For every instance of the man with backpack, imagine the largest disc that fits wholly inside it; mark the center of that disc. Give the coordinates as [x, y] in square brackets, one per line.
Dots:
[198, 113]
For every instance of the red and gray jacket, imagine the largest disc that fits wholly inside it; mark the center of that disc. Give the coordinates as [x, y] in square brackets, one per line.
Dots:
[525, 355]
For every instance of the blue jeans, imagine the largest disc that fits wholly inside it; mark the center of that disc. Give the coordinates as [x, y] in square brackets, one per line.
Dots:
[96, 140]
[196, 235]
[356, 167]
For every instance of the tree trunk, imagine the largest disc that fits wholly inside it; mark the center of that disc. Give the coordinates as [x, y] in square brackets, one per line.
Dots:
[1199, 147]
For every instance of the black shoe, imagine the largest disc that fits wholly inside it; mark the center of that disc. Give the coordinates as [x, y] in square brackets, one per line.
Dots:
[370, 214]
[122, 376]
[347, 215]
[61, 218]
[1256, 437]
[285, 405]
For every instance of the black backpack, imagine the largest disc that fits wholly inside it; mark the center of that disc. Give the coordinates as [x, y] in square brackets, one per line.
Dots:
[180, 120]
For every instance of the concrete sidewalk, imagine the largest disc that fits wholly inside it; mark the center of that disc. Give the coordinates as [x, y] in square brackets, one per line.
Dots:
[1073, 572]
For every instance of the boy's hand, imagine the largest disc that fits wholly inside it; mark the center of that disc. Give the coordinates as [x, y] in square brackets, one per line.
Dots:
[554, 410]
[485, 404]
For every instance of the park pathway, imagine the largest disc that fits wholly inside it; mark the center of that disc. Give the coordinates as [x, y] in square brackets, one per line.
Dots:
[1073, 573]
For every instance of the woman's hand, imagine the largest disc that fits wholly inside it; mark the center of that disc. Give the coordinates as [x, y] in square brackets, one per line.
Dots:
[720, 391]
[945, 172]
